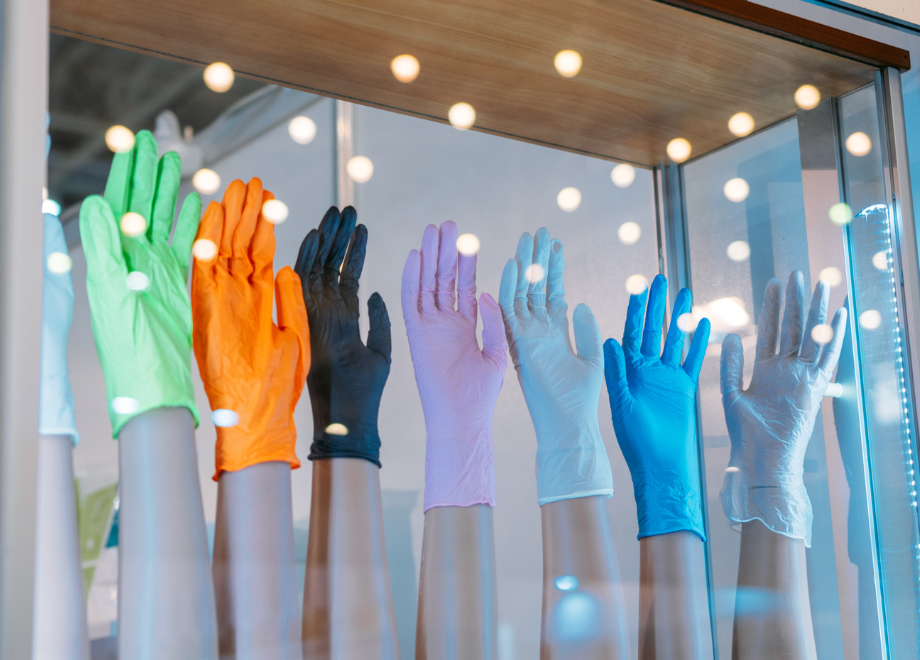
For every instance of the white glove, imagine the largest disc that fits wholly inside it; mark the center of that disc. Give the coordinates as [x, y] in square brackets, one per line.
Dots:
[55, 403]
[562, 389]
[771, 422]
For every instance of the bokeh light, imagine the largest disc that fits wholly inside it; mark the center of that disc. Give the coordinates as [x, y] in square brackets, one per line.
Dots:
[360, 169]
[467, 244]
[132, 224]
[741, 124]
[204, 249]
[569, 199]
[59, 263]
[880, 260]
[870, 319]
[822, 333]
[636, 284]
[51, 206]
[337, 429]
[206, 181]
[623, 175]
[124, 405]
[119, 139]
[859, 144]
[461, 116]
[275, 211]
[679, 150]
[576, 618]
[138, 281]
[687, 322]
[566, 583]
[840, 213]
[225, 418]
[534, 273]
[219, 77]
[568, 63]
[302, 129]
[807, 97]
[405, 68]
[831, 275]
[629, 233]
[738, 250]
[736, 190]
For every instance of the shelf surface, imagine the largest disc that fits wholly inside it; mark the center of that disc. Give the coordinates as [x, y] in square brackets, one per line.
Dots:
[652, 71]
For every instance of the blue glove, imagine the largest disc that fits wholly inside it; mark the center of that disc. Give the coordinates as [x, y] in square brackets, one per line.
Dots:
[653, 403]
[55, 404]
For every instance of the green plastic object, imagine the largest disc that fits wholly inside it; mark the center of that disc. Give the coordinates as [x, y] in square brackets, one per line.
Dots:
[136, 282]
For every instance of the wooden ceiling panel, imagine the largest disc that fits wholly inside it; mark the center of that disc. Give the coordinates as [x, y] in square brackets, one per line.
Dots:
[651, 71]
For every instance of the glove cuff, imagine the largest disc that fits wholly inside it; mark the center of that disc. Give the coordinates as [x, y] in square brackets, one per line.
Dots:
[361, 441]
[666, 502]
[577, 465]
[784, 507]
[238, 448]
[459, 471]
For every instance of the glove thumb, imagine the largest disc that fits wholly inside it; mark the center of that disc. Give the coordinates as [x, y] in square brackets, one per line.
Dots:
[732, 368]
[587, 335]
[378, 337]
[615, 375]
[494, 343]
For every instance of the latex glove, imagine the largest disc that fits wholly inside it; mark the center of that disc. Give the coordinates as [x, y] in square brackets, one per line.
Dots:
[771, 422]
[346, 377]
[562, 389]
[253, 370]
[653, 404]
[143, 335]
[55, 402]
[457, 382]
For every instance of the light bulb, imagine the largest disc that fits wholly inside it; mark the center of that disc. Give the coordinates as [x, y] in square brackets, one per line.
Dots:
[302, 129]
[679, 150]
[807, 97]
[206, 181]
[569, 199]
[360, 169]
[462, 116]
[623, 175]
[119, 139]
[741, 124]
[405, 68]
[736, 190]
[568, 63]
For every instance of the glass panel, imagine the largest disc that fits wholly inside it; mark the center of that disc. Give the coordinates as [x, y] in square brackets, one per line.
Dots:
[884, 373]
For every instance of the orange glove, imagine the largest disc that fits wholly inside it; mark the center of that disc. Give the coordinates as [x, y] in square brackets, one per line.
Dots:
[253, 370]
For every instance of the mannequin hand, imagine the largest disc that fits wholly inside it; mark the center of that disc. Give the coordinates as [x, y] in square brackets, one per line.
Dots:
[562, 389]
[653, 403]
[457, 382]
[346, 377]
[55, 405]
[143, 335]
[250, 367]
[771, 422]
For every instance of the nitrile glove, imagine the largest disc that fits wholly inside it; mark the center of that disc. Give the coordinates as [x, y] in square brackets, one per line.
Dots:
[55, 401]
[771, 422]
[142, 322]
[562, 389]
[252, 369]
[653, 404]
[346, 377]
[457, 382]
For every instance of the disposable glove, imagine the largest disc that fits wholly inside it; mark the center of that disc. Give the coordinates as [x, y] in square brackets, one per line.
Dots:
[346, 377]
[562, 389]
[253, 370]
[771, 422]
[143, 334]
[55, 402]
[653, 404]
[457, 382]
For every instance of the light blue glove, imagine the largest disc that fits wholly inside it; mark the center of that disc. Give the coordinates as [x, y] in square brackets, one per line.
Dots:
[562, 389]
[653, 403]
[55, 404]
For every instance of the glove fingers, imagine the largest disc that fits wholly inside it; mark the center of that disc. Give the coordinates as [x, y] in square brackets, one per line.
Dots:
[674, 344]
[351, 271]
[210, 230]
[697, 351]
[304, 266]
[791, 337]
[333, 264]
[536, 291]
[447, 266]
[635, 311]
[53, 241]
[494, 343]
[262, 243]
[654, 317]
[233, 200]
[101, 241]
[732, 367]
[428, 281]
[186, 229]
[144, 176]
[245, 229]
[327, 231]
[524, 258]
[506, 300]
[587, 335]
[555, 280]
[817, 315]
[118, 185]
[292, 314]
[768, 325]
[831, 352]
[169, 176]
[466, 286]
[409, 289]
[378, 337]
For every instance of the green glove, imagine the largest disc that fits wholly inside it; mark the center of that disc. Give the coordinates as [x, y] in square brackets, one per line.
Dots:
[142, 316]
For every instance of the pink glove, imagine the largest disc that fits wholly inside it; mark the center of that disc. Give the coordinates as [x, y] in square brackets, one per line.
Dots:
[457, 382]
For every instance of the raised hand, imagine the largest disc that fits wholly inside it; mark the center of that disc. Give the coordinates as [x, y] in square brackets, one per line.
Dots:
[653, 404]
[136, 282]
[562, 388]
[458, 383]
[771, 422]
[346, 376]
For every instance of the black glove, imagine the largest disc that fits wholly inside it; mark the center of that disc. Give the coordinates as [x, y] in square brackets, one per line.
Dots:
[346, 377]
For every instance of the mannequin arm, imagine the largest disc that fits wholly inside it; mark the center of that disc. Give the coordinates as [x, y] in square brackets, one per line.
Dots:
[578, 542]
[165, 592]
[673, 605]
[348, 606]
[772, 569]
[254, 569]
[457, 604]
[60, 604]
